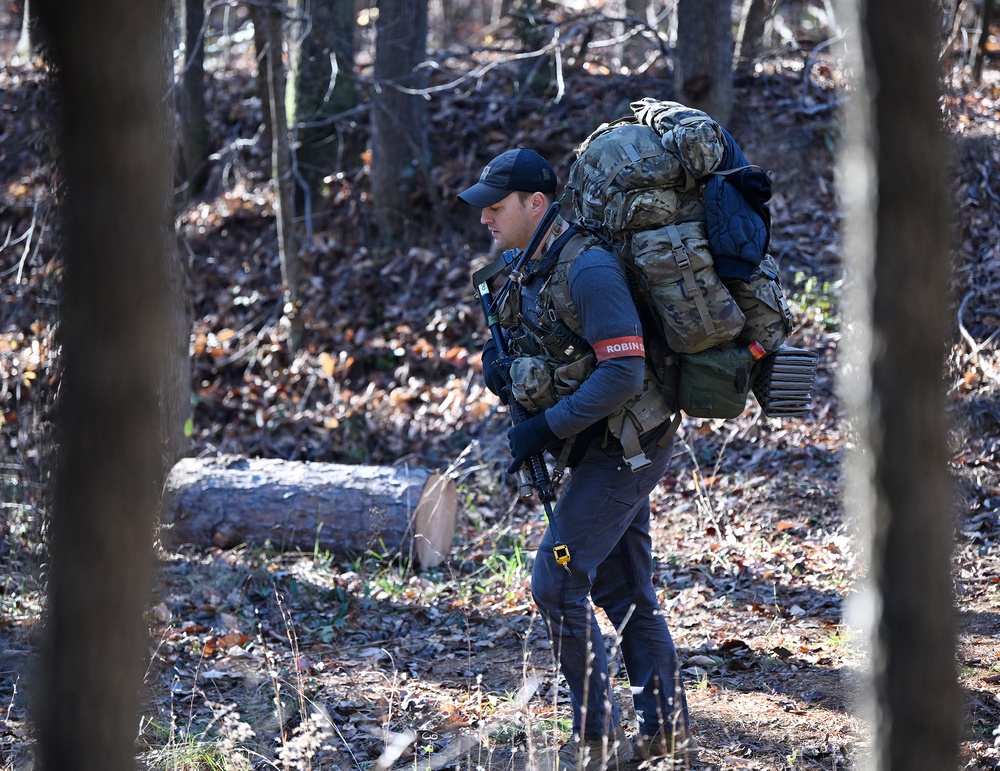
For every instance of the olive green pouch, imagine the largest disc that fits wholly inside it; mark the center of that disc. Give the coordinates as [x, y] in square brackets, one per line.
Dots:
[714, 383]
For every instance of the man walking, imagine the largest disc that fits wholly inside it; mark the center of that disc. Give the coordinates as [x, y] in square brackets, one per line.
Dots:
[578, 365]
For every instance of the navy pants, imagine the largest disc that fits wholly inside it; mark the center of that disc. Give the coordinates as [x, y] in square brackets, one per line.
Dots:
[603, 517]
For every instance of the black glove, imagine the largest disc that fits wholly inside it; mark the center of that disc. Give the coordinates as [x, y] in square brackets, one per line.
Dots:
[493, 371]
[529, 438]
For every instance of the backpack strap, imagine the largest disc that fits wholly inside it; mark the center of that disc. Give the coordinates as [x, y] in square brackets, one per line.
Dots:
[557, 288]
[545, 265]
[634, 456]
[563, 460]
[675, 423]
[690, 283]
[630, 423]
[727, 172]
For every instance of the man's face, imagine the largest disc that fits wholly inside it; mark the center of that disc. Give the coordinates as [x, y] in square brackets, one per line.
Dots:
[512, 221]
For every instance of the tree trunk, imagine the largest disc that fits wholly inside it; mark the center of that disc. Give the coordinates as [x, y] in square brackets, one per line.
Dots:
[306, 506]
[399, 119]
[897, 242]
[175, 391]
[750, 38]
[26, 40]
[323, 86]
[616, 9]
[271, 70]
[191, 99]
[979, 52]
[703, 57]
[263, 90]
[118, 172]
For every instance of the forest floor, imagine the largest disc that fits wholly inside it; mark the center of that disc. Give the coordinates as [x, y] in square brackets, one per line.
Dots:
[266, 659]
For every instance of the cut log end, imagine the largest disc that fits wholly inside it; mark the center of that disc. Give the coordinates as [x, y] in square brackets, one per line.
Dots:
[434, 520]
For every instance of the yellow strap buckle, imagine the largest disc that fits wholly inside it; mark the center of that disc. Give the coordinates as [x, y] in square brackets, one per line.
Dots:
[561, 552]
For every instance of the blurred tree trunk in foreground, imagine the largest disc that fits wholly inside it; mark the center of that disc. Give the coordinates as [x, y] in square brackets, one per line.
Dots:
[897, 242]
[117, 165]
[703, 57]
[399, 119]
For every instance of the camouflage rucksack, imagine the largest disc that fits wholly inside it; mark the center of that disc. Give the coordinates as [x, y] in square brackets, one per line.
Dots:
[641, 183]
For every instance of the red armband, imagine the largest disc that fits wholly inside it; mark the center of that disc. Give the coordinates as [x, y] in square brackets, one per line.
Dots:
[618, 347]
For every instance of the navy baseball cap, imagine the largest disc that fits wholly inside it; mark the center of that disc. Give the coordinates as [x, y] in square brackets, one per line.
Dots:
[514, 170]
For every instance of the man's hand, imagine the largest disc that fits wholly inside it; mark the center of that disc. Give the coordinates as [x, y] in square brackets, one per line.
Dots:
[529, 438]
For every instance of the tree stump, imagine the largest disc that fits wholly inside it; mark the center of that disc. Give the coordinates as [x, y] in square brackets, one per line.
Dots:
[294, 505]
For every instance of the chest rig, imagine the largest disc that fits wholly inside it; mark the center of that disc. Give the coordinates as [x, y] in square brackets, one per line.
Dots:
[540, 317]
[544, 329]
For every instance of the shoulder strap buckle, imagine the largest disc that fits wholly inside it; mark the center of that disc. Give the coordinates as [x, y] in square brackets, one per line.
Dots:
[634, 456]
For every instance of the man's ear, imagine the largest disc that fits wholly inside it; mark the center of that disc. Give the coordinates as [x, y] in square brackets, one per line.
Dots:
[539, 203]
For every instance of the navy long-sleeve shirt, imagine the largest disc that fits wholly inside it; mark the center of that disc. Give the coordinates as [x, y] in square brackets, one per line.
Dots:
[611, 325]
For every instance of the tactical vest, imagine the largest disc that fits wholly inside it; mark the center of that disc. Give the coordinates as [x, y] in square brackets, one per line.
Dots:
[555, 358]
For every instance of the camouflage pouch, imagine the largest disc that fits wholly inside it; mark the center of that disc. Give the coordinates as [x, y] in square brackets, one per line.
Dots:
[768, 318]
[569, 377]
[715, 383]
[678, 276]
[531, 383]
[689, 133]
[623, 179]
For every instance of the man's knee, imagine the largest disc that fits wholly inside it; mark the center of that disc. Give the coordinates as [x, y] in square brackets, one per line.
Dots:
[545, 594]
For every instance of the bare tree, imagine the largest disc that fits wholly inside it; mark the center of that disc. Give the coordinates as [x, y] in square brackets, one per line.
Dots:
[175, 390]
[26, 41]
[191, 98]
[897, 245]
[750, 37]
[323, 86]
[263, 90]
[703, 57]
[979, 50]
[116, 161]
[399, 117]
[269, 37]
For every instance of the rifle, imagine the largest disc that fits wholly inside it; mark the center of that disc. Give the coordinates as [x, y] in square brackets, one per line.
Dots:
[539, 473]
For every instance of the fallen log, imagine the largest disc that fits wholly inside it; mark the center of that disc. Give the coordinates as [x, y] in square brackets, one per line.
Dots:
[292, 505]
